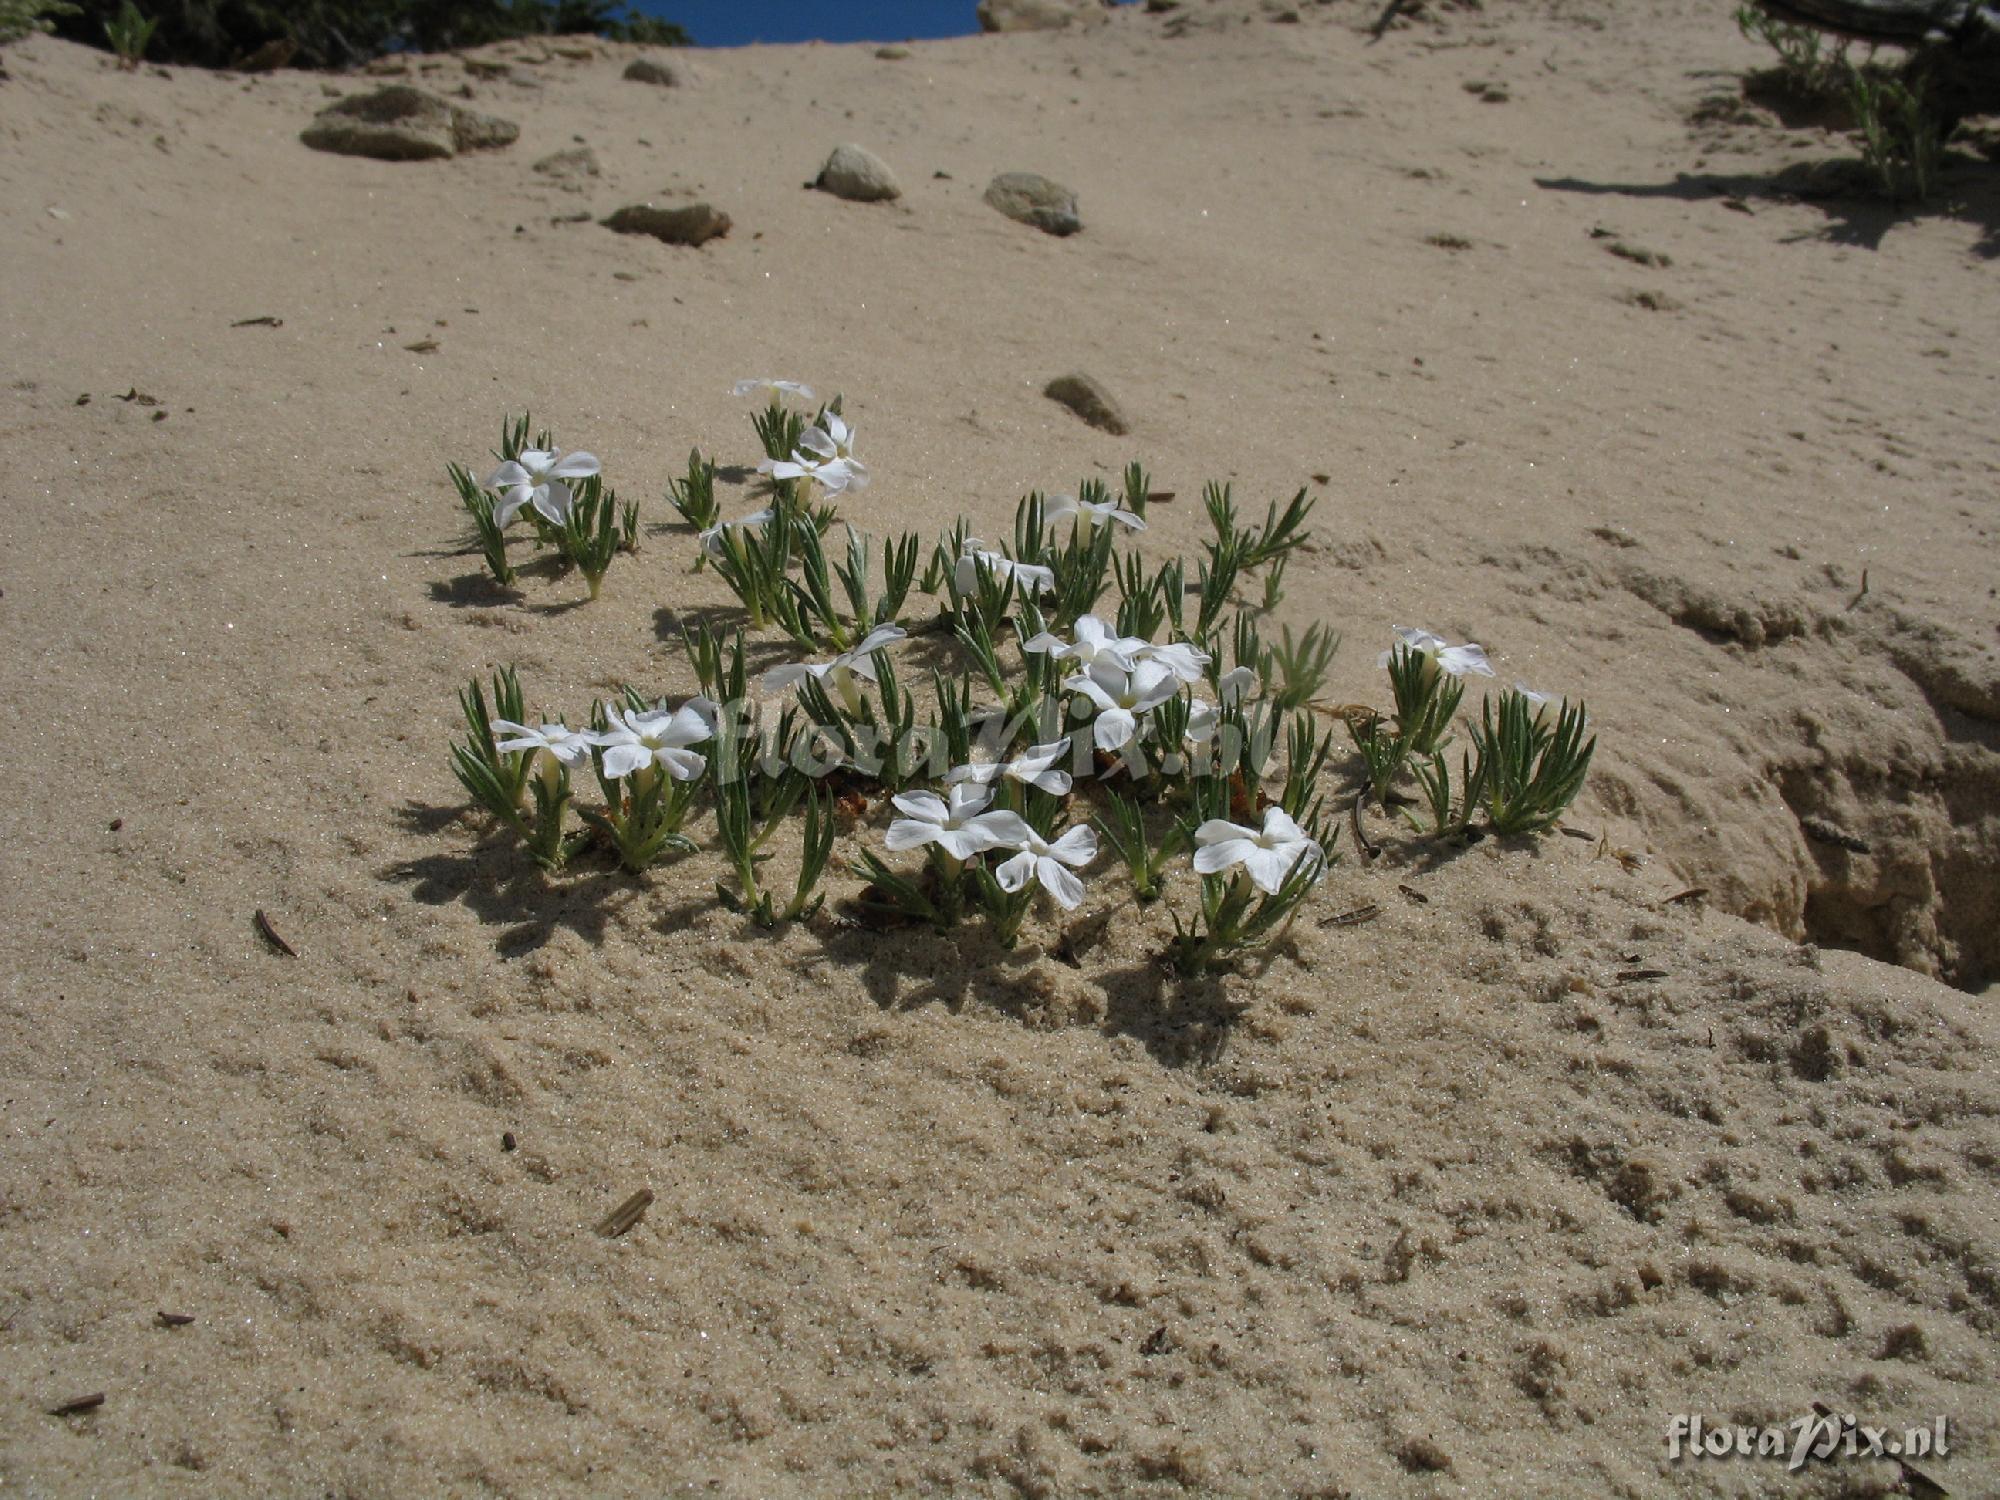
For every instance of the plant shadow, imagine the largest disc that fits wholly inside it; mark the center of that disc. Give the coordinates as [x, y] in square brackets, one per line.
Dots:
[899, 967]
[473, 591]
[1180, 1022]
[503, 888]
[558, 607]
[1840, 188]
[722, 619]
[1426, 855]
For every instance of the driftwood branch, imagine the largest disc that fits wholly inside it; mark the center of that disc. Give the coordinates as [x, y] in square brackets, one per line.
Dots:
[1908, 23]
[1955, 44]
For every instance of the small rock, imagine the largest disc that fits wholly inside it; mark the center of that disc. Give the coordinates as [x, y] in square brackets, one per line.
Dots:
[268, 58]
[401, 123]
[894, 52]
[1035, 15]
[694, 224]
[473, 131]
[652, 70]
[1089, 400]
[1639, 255]
[858, 174]
[569, 165]
[1034, 199]
[1651, 301]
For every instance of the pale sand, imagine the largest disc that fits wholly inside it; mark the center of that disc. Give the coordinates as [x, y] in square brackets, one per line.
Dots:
[1437, 1203]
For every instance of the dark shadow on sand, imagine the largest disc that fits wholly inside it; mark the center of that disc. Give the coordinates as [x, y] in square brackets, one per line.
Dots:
[1839, 188]
[506, 890]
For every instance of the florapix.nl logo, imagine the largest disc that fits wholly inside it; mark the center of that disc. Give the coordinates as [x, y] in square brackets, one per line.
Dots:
[1821, 1434]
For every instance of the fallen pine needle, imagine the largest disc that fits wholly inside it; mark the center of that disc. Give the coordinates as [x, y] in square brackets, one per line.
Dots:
[626, 1214]
[272, 935]
[1353, 918]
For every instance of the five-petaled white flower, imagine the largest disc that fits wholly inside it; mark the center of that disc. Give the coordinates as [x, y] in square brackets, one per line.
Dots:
[974, 554]
[1204, 718]
[961, 827]
[1544, 708]
[535, 477]
[1036, 768]
[655, 736]
[1044, 860]
[1178, 657]
[841, 671]
[825, 470]
[1094, 643]
[713, 539]
[1460, 661]
[774, 388]
[566, 746]
[1267, 855]
[1235, 683]
[840, 438]
[1120, 697]
[1088, 513]
[825, 456]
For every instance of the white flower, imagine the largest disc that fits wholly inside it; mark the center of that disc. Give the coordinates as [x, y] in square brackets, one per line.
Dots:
[1203, 717]
[1036, 768]
[1094, 643]
[1178, 657]
[962, 827]
[825, 456]
[1042, 860]
[712, 541]
[1546, 708]
[1088, 513]
[1029, 576]
[840, 438]
[1267, 856]
[1459, 661]
[774, 388]
[1120, 697]
[656, 736]
[841, 671]
[569, 747]
[707, 709]
[535, 477]
[830, 473]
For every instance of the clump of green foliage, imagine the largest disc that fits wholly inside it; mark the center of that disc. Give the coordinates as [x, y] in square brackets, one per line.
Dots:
[130, 32]
[1902, 137]
[19, 17]
[334, 33]
[1808, 67]
[1901, 124]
